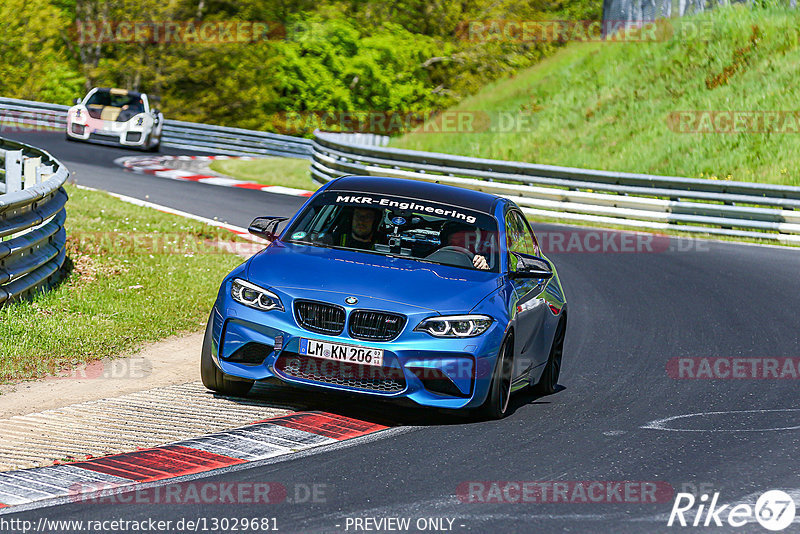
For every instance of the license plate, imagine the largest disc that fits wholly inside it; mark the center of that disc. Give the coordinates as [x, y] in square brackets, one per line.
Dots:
[340, 352]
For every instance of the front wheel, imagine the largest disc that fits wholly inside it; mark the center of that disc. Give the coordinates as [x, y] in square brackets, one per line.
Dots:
[213, 378]
[496, 404]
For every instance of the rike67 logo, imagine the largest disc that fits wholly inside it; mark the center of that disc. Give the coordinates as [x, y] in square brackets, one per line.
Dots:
[774, 510]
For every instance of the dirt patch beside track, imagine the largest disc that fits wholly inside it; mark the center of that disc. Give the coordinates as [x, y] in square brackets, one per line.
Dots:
[175, 360]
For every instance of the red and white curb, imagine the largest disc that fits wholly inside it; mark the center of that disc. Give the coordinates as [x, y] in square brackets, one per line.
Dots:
[160, 166]
[271, 438]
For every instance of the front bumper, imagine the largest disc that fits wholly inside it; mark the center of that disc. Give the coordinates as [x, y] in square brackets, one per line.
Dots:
[129, 136]
[434, 372]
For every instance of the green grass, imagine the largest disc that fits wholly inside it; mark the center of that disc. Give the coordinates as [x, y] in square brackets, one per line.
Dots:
[288, 172]
[535, 221]
[138, 276]
[606, 105]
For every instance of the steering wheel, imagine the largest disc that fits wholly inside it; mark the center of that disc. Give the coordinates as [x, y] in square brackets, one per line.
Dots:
[452, 255]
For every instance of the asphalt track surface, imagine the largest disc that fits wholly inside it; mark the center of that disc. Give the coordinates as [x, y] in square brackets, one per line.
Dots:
[630, 313]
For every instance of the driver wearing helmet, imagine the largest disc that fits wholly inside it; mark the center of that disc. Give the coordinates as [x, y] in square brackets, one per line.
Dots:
[463, 236]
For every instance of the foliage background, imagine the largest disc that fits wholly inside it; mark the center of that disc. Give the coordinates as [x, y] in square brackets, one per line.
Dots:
[337, 55]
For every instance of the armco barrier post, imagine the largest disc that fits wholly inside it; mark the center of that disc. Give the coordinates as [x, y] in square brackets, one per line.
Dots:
[29, 166]
[43, 172]
[13, 170]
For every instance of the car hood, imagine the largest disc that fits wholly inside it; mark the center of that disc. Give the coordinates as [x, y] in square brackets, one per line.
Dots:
[440, 288]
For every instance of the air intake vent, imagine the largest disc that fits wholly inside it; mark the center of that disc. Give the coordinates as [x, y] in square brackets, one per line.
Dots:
[375, 325]
[319, 317]
[252, 352]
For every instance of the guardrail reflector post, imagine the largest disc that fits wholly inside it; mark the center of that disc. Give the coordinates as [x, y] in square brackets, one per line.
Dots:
[13, 171]
[43, 172]
[29, 166]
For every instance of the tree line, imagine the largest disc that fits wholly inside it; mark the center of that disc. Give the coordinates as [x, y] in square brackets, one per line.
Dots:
[248, 63]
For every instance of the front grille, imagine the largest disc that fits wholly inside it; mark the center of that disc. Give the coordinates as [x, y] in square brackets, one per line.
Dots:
[375, 325]
[78, 128]
[319, 317]
[364, 377]
[133, 137]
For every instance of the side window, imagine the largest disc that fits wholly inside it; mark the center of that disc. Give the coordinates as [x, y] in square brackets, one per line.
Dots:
[517, 234]
[530, 238]
[515, 238]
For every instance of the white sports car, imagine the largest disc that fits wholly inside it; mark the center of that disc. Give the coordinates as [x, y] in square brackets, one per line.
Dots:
[115, 116]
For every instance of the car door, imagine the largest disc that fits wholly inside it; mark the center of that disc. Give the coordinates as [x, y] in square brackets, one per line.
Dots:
[530, 307]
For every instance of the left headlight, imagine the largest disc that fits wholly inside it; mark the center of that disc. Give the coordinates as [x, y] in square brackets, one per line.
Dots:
[255, 297]
[455, 325]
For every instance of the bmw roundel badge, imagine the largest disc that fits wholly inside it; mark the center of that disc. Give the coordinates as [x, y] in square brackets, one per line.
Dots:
[351, 300]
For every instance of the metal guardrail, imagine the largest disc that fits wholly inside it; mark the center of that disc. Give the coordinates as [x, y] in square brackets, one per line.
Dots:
[719, 207]
[644, 11]
[178, 134]
[32, 215]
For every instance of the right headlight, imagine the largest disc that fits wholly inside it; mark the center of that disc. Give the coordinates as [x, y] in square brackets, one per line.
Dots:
[255, 297]
[455, 325]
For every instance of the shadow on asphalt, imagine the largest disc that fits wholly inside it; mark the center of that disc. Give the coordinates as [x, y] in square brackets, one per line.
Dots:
[390, 413]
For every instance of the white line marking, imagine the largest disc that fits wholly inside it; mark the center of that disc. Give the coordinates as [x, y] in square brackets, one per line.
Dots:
[283, 190]
[660, 424]
[218, 180]
[166, 209]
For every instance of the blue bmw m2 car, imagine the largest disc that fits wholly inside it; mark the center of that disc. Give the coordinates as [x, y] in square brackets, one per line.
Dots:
[396, 289]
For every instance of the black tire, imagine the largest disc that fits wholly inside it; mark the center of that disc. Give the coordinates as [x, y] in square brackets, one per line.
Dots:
[153, 148]
[216, 380]
[549, 379]
[496, 404]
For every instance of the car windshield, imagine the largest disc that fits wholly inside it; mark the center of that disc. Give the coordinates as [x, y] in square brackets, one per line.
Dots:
[122, 100]
[397, 226]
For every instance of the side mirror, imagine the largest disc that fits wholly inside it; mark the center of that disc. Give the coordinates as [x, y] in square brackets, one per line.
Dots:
[76, 100]
[528, 266]
[265, 227]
